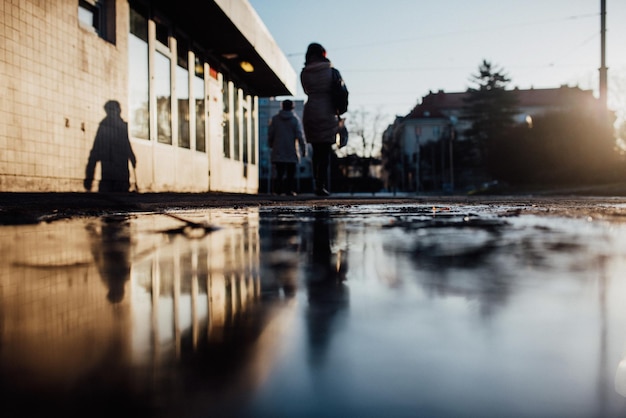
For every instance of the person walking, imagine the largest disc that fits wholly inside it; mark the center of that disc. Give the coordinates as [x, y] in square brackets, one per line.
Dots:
[320, 117]
[286, 139]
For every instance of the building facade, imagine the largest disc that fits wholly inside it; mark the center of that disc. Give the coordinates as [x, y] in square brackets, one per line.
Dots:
[150, 94]
[419, 148]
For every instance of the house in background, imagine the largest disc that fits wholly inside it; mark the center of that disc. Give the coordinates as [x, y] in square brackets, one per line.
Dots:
[418, 149]
[185, 76]
[268, 107]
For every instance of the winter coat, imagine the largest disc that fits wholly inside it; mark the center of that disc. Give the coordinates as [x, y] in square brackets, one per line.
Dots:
[319, 118]
[284, 130]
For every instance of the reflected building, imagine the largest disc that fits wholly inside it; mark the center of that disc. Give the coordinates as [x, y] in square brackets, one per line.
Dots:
[58, 327]
[188, 284]
[418, 148]
[129, 314]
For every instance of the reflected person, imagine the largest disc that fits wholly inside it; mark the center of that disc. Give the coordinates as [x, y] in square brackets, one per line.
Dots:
[112, 149]
[327, 293]
[111, 248]
[279, 263]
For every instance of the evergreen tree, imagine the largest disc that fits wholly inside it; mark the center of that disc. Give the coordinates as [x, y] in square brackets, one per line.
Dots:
[566, 147]
[490, 108]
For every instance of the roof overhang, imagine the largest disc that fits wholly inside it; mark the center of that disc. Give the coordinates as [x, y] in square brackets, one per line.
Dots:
[232, 33]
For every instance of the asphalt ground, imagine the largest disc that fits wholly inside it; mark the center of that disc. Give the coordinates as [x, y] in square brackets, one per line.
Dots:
[28, 207]
[19, 208]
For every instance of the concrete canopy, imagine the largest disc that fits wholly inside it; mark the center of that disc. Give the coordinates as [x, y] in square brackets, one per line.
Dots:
[232, 32]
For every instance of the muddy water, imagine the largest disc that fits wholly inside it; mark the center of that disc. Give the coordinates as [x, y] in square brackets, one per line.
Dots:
[341, 311]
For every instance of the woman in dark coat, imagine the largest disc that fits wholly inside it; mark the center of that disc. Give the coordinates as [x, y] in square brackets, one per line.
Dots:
[319, 117]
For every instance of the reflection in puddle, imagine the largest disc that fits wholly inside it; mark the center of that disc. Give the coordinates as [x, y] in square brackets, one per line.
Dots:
[360, 311]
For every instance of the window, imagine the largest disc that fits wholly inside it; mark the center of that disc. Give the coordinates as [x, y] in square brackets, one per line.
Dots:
[245, 137]
[167, 98]
[138, 107]
[90, 16]
[163, 90]
[162, 33]
[226, 115]
[98, 16]
[182, 96]
[198, 95]
[253, 131]
[236, 125]
[162, 82]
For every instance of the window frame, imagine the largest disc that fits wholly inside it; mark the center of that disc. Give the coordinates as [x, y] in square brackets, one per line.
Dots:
[103, 18]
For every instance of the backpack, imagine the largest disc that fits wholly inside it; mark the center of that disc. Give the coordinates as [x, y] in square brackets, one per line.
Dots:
[339, 93]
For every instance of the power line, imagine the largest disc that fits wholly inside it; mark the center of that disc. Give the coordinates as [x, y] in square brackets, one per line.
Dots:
[459, 32]
[426, 69]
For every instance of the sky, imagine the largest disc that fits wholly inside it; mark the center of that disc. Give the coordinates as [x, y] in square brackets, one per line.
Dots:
[392, 53]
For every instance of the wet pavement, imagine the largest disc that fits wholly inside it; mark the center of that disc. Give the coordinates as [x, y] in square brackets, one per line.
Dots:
[420, 307]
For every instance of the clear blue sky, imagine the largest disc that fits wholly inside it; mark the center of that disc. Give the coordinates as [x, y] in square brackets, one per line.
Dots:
[393, 52]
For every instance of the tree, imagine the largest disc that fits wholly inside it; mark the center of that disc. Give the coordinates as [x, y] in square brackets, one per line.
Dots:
[366, 130]
[618, 102]
[562, 148]
[621, 137]
[490, 109]
[392, 157]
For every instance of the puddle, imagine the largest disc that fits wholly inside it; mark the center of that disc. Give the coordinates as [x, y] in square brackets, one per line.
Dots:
[342, 311]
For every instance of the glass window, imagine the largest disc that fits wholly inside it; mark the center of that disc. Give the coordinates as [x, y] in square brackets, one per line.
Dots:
[163, 92]
[90, 15]
[198, 94]
[162, 33]
[182, 97]
[138, 108]
[87, 15]
[253, 132]
[98, 16]
[226, 115]
[236, 123]
[245, 136]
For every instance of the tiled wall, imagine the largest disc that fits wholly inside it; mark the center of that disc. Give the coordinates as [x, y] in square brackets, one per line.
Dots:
[55, 78]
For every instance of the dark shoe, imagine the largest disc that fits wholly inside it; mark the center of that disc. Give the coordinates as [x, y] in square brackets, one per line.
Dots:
[292, 193]
[322, 192]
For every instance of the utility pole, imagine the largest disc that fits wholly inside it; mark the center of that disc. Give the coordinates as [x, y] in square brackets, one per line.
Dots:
[603, 69]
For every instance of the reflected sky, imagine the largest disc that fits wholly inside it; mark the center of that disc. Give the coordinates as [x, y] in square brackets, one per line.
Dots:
[334, 311]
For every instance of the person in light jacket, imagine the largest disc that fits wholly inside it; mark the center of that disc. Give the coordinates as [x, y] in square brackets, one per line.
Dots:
[286, 138]
[319, 118]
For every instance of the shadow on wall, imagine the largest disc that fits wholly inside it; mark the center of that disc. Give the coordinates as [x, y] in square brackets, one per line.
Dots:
[112, 149]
